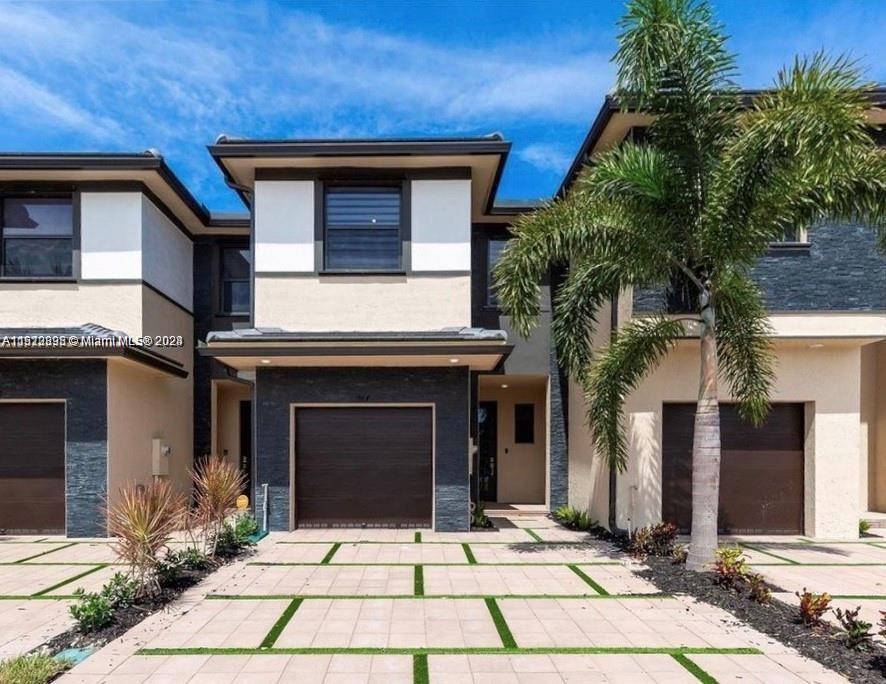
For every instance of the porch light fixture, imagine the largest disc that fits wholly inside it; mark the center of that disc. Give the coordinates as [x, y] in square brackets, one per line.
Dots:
[504, 386]
[266, 361]
[816, 345]
[453, 360]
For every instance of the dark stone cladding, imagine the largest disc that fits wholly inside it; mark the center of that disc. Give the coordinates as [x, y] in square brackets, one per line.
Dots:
[841, 270]
[277, 388]
[83, 384]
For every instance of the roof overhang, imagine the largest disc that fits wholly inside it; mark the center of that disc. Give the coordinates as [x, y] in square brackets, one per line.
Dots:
[242, 160]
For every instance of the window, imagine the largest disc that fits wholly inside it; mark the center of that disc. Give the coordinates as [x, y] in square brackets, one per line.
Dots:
[362, 228]
[495, 249]
[793, 235]
[37, 237]
[524, 423]
[235, 261]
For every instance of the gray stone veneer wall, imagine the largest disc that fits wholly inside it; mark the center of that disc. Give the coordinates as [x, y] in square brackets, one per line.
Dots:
[841, 270]
[84, 387]
[448, 388]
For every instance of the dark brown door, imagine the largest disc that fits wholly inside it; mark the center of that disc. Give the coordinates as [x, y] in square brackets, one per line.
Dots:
[32, 467]
[761, 470]
[246, 443]
[363, 466]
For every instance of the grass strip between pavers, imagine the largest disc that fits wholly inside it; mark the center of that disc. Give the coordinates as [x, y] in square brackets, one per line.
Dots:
[43, 553]
[532, 534]
[420, 672]
[418, 581]
[694, 669]
[360, 597]
[489, 650]
[469, 554]
[501, 625]
[445, 565]
[330, 554]
[590, 582]
[417, 538]
[860, 597]
[43, 592]
[512, 542]
[272, 636]
[767, 553]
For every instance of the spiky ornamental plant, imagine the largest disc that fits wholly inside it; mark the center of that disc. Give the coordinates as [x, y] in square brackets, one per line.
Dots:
[716, 182]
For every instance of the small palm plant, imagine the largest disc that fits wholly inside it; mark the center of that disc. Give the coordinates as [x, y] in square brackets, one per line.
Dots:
[142, 521]
[217, 484]
[692, 209]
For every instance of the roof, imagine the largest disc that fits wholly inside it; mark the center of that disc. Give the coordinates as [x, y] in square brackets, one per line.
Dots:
[611, 105]
[238, 158]
[83, 341]
[280, 335]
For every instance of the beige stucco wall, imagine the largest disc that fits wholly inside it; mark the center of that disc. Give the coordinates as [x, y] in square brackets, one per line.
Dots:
[827, 379]
[226, 426]
[144, 404]
[365, 303]
[115, 306]
[162, 318]
[521, 467]
[877, 454]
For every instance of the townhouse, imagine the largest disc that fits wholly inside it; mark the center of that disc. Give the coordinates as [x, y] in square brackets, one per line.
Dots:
[341, 342]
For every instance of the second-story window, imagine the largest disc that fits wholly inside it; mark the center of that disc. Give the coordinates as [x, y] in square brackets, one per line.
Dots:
[495, 249]
[235, 260]
[36, 237]
[362, 231]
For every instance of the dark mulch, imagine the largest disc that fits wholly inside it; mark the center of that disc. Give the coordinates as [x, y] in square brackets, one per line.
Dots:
[776, 619]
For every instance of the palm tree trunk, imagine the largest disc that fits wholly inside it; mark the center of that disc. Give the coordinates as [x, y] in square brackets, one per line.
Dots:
[705, 449]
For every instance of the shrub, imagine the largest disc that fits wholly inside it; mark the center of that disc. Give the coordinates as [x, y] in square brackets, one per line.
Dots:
[856, 633]
[679, 554]
[574, 519]
[143, 520]
[217, 484]
[757, 589]
[235, 535]
[479, 518]
[121, 591]
[171, 569]
[863, 526]
[657, 540]
[37, 668]
[813, 607]
[92, 611]
[730, 566]
[882, 624]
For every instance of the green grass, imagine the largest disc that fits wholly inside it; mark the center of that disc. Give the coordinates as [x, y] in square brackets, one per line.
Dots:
[501, 625]
[31, 669]
[767, 553]
[580, 650]
[590, 582]
[444, 565]
[361, 597]
[417, 538]
[694, 669]
[860, 597]
[469, 554]
[330, 554]
[420, 674]
[43, 553]
[532, 534]
[418, 581]
[43, 592]
[271, 637]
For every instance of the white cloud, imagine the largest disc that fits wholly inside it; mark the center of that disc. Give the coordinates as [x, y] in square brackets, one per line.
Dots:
[546, 157]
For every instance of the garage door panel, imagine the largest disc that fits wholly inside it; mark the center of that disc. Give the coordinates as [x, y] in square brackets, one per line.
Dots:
[32, 467]
[360, 465]
[761, 470]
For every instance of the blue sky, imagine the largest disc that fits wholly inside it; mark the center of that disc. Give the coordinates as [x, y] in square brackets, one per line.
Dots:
[129, 76]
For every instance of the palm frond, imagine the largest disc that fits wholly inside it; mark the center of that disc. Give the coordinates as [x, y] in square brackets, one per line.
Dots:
[744, 345]
[636, 350]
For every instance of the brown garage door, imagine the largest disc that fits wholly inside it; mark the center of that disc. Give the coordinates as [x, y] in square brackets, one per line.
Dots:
[363, 466]
[32, 467]
[761, 470]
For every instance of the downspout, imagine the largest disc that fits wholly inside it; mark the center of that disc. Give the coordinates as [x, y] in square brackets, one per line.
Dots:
[613, 475]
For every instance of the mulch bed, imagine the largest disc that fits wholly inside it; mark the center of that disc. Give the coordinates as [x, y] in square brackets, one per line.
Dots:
[778, 620]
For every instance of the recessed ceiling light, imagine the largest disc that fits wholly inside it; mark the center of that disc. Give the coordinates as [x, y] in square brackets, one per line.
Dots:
[266, 361]
[453, 360]
[504, 386]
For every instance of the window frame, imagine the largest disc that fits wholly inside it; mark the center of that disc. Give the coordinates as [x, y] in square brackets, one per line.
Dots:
[238, 245]
[73, 197]
[404, 228]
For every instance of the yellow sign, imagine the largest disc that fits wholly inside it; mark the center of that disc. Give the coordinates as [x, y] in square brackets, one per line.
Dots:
[242, 502]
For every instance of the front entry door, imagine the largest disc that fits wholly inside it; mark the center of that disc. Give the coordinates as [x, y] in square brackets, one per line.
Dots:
[246, 442]
[487, 422]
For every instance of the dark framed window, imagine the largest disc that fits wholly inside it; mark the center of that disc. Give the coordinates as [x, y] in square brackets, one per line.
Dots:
[524, 423]
[493, 254]
[235, 263]
[36, 237]
[362, 228]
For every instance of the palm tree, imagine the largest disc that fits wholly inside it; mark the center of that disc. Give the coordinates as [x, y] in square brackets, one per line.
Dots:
[720, 176]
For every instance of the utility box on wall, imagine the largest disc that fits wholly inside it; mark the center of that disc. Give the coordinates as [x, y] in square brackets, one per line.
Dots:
[160, 452]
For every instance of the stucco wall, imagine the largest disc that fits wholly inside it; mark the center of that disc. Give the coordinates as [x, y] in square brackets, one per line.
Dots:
[284, 226]
[877, 460]
[441, 225]
[111, 235]
[521, 468]
[827, 379]
[167, 256]
[366, 303]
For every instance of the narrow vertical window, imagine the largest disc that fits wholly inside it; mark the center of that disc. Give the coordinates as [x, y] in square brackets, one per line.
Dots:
[494, 252]
[235, 263]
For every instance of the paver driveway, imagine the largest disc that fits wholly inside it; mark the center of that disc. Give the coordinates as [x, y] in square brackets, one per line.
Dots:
[530, 603]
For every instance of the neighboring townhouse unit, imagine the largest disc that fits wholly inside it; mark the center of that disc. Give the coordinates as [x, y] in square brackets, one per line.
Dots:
[342, 343]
